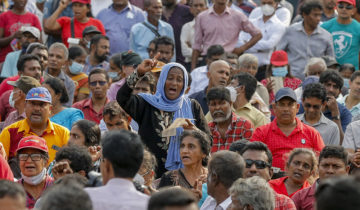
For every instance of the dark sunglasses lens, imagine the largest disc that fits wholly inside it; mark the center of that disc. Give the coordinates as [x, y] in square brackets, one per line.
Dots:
[259, 164]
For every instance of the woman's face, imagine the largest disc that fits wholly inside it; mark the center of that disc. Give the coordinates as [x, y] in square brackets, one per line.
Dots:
[300, 168]
[80, 10]
[190, 151]
[114, 68]
[76, 136]
[55, 98]
[174, 83]
[81, 59]
[31, 167]
[20, 3]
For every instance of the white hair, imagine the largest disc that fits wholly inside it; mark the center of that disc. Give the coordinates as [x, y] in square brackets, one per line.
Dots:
[247, 58]
[313, 61]
[255, 192]
[59, 45]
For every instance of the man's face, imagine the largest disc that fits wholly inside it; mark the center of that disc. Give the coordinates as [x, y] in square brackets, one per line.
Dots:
[151, 50]
[250, 68]
[116, 123]
[98, 86]
[355, 88]
[313, 107]
[345, 10]
[32, 68]
[37, 112]
[269, 2]
[285, 110]
[197, 6]
[166, 53]
[10, 203]
[43, 55]
[313, 19]
[219, 74]
[329, 4]
[155, 9]
[332, 89]
[332, 167]
[315, 70]
[220, 110]
[27, 38]
[141, 87]
[102, 50]
[56, 58]
[257, 155]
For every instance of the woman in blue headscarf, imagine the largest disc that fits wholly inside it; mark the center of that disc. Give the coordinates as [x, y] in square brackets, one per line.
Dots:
[155, 113]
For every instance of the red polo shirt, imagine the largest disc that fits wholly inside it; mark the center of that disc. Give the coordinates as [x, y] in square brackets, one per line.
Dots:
[305, 199]
[278, 186]
[303, 136]
[86, 106]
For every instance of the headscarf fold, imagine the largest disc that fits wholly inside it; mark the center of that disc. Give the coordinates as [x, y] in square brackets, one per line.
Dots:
[181, 108]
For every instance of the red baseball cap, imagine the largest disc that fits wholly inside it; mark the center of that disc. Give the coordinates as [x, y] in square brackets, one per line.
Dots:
[35, 142]
[81, 1]
[351, 2]
[279, 58]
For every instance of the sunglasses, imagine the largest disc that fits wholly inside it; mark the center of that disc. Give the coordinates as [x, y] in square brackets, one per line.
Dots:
[306, 105]
[34, 157]
[101, 83]
[348, 7]
[259, 164]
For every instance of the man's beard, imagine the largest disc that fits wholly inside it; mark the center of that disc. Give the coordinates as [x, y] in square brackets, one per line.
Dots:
[100, 58]
[221, 119]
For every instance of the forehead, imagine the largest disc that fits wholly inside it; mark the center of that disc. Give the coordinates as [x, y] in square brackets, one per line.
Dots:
[57, 51]
[194, 2]
[176, 71]
[331, 160]
[103, 42]
[190, 139]
[165, 47]
[218, 66]
[312, 100]
[116, 118]
[32, 63]
[29, 151]
[97, 77]
[39, 51]
[142, 84]
[286, 100]
[255, 155]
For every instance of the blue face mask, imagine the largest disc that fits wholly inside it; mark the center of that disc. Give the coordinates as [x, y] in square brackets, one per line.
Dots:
[346, 83]
[279, 71]
[112, 74]
[76, 68]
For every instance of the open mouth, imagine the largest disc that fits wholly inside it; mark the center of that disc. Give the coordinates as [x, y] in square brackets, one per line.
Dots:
[185, 158]
[297, 175]
[172, 90]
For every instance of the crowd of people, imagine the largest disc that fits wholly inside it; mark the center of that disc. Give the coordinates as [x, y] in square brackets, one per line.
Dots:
[179, 104]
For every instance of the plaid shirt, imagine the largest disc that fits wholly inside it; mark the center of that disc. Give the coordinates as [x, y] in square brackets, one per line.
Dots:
[239, 128]
[282, 202]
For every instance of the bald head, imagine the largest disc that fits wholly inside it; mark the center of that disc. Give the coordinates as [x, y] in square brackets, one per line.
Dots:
[219, 73]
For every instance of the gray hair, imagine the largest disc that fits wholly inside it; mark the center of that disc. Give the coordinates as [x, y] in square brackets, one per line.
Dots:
[247, 59]
[254, 191]
[313, 61]
[61, 46]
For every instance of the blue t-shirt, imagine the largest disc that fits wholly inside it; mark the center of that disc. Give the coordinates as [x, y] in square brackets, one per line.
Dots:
[346, 41]
[67, 117]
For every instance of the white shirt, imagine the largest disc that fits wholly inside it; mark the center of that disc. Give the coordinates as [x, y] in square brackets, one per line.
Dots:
[272, 30]
[199, 79]
[98, 5]
[210, 204]
[281, 12]
[187, 36]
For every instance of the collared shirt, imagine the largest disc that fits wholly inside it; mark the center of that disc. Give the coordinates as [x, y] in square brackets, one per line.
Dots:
[351, 136]
[86, 106]
[282, 202]
[55, 135]
[281, 12]
[141, 36]
[88, 67]
[118, 25]
[69, 85]
[300, 47]
[118, 193]
[9, 68]
[238, 129]
[199, 79]
[187, 36]
[13, 117]
[355, 110]
[305, 198]
[303, 136]
[272, 31]
[114, 87]
[201, 98]
[279, 186]
[30, 200]
[212, 28]
[210, 204]
[328, 130]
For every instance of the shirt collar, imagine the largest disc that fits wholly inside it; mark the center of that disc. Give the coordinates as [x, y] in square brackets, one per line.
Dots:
[26, 127]
[299, 126]
[300, 27]
[226, 11]
[246, 106]
[224, 205]
[128, 7]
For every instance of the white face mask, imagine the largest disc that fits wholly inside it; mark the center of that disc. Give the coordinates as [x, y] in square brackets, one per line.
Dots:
[35, 180]
[233, 93]
[11, 101]
[267, 10]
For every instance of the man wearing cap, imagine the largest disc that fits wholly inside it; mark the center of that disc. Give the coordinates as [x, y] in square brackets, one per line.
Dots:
[286, 132]
[88, 33]
[129, 62]
[345, 33]
[17, 99]
[118, 20]
[306, 39]
[30, 34]
[37, 110]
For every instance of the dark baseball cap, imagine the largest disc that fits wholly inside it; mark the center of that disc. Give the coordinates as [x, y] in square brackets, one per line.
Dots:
[130, 59]
[285, 92]
[90, 29]
[25, 83]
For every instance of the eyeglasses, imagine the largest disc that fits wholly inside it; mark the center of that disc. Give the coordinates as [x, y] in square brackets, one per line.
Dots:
[34, 157]
[306, 105]
[348, 7]
[259, 164]
[101, 83]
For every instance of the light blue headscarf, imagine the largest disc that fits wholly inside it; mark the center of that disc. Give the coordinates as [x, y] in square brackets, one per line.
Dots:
[181, 106]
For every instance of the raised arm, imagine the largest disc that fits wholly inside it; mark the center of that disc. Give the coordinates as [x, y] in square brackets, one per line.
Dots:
[51, 23]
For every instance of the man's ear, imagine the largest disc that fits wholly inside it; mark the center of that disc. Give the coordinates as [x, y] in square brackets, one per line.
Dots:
[82, 173]
[271, 172]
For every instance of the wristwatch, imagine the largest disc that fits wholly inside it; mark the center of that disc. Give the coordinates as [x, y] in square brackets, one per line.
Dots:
[336, 117]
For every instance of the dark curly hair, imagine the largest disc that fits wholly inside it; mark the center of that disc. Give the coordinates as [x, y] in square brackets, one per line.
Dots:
[203, 140]
[78, 156]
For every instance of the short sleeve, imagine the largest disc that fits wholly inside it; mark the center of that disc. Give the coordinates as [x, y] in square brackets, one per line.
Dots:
[63, 21]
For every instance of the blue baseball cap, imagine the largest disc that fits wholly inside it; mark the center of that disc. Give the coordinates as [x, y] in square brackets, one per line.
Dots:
[285, 92]
[38, 94]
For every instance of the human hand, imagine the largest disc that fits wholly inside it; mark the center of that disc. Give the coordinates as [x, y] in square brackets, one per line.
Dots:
[147, 64]
[270, 85]
[64, 3]
[189, 125]
[197, 190]
[95, 153]
[238, 51]
[332, 105]
[61, 169]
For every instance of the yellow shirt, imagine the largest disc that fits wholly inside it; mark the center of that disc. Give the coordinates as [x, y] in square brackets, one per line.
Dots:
[248, 112]
[55, 135]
